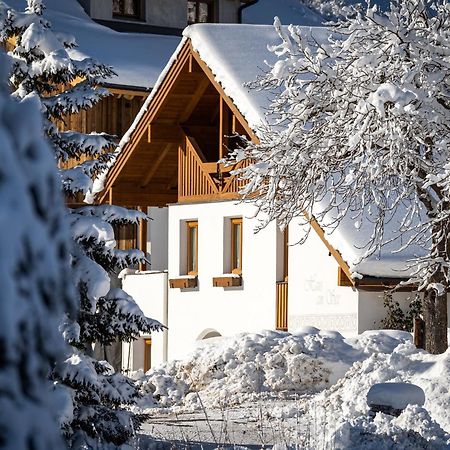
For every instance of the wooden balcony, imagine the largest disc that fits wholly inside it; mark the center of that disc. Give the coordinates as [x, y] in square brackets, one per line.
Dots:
[282, 306]
[199, 180]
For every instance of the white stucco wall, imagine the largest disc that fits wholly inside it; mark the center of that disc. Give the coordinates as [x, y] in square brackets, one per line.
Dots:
[157, 238]
[149, 289]
[315, 299]
[371, 310]
[226, 310]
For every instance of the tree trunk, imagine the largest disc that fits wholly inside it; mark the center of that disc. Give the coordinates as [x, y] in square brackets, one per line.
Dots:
[435, 317]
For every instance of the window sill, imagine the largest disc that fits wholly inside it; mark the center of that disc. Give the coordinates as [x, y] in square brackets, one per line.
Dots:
[184, 282]
[228, 280]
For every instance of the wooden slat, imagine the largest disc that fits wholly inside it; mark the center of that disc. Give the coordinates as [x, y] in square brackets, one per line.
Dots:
[194, 179]
[282, 306]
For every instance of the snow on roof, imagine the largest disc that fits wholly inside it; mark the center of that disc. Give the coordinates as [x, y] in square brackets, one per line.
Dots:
[288, 11]
[237, 54]
[136, 58]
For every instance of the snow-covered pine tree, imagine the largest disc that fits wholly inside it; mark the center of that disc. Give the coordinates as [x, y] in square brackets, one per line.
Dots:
[362, 127]
[34, 275]
[44, 69]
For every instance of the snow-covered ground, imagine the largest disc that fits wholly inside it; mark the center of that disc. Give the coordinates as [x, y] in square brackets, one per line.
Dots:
[306, 389]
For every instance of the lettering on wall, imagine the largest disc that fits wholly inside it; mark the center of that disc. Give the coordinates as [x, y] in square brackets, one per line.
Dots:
[339, 322]
[319, 293]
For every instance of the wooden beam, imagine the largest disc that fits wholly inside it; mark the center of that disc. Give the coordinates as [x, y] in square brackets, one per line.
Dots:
[164, 133]
[143, 238]
[224, 130]
[144, 198]
[131, 92]
[196, 96]
[337, 256]
[156, 164]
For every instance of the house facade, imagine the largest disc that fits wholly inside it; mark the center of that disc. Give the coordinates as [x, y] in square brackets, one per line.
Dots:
[163, 16]
[209, 273]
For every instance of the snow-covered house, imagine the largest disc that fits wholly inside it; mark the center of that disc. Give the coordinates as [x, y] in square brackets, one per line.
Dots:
[210, 274]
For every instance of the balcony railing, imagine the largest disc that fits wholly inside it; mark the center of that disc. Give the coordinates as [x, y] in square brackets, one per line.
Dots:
[282, 306]
[201, 180]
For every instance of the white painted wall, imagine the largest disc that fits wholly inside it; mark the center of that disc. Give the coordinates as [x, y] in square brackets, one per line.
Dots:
[372, 311]
[315, 299]
[157, 238]
[226, 310]
[149, 289]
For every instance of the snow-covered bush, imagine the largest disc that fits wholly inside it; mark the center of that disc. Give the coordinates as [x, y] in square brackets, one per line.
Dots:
[34, 276]
[360, 129]
[44, 70]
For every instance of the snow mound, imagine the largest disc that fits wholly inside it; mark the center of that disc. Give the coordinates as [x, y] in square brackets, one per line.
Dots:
[229, 371]
[345, 402]
[413, 429]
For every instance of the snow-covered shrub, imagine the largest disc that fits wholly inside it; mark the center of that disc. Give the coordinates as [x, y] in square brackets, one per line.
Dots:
[34, 277]
[44, 69]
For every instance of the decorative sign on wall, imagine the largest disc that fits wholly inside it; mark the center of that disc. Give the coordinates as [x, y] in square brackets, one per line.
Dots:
[338, 322]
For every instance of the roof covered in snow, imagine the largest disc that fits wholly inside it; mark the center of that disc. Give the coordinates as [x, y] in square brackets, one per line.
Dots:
[237, 54]
[136, 58]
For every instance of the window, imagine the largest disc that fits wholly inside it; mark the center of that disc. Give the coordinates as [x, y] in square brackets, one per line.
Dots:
[236, 245]
[192, 247]
[147, 354]
[127, 8]
[200, 11]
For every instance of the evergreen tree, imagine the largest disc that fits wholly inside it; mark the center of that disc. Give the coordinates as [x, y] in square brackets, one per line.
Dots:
[34, 268]
[44, 69]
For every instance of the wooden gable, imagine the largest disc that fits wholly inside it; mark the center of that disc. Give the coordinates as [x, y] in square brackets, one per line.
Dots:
[173, 152]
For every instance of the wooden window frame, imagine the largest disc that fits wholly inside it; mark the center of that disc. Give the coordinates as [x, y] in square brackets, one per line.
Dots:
[190, 225]
[236, 221]
[147, 354]
[286, 254]
[139, 14]
[211, 11]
